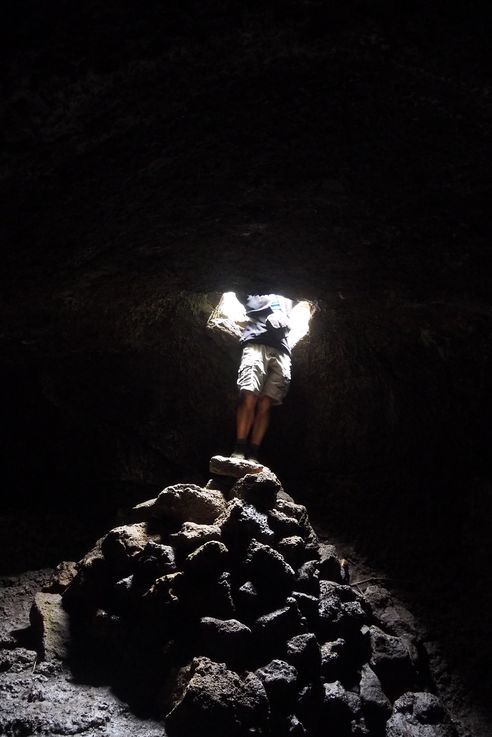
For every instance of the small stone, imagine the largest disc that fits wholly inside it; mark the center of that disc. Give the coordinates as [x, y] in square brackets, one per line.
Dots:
[63, 576]
[50, 626]
[216, 701]
[189, 503]
[259, 489]
[192, 535]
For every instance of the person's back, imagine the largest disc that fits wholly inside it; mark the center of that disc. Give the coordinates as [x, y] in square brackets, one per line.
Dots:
[264, 372]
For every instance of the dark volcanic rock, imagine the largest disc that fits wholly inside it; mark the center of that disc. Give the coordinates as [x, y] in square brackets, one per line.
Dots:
[307, 579]
[267, 568]
[419, 715]
[391, 661]
[154, 561]
[333, 662]
[225, 640]
[375, 704]
[209, 559]
[217, 702]
[340, 610]
[303, 652]
[259, 489]
[340, 707]
[329, 565]
[280, 682]
[293, 549]
[241, 523]
[279, 625]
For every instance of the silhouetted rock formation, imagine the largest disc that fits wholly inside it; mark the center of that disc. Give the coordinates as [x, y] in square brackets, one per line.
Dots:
[229, 618]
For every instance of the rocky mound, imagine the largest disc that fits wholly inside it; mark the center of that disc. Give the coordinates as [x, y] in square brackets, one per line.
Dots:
[227, 617]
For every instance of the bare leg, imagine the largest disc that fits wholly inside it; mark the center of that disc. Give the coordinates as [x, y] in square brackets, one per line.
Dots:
[261, 419]
[245, 414]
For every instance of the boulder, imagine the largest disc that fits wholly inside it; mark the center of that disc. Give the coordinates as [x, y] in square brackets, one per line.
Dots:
[303, 652]
[234, 467]
[209, 596]
[419, 715]
[225, 640]
[241, 523]
[307, 579]
[216, 702]
[375, 704]
[122, 545]
[293, 550]
[333, 659]
[340, 708]
[280, 681]
[192, 535]
[393, 616]
[391, 661]
[259, 489]
[341, 612]
[189, 503]
[154, 561]
[50, 626]
[329, 565]
[308, 606]
[267, 568]
[210, 559]
[283, 525]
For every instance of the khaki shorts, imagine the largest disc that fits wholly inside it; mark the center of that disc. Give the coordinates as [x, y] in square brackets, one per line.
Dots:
[264, 370]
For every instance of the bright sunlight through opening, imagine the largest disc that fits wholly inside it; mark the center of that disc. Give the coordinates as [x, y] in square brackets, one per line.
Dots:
[230, 317]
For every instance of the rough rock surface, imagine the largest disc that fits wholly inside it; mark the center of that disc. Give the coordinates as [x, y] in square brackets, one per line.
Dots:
[209, 624]
[235, 467]
[51, 625]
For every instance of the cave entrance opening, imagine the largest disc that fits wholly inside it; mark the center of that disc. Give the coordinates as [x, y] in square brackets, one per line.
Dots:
[229, 317]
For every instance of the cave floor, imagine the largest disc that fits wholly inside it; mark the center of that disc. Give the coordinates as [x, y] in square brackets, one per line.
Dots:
[44, 697]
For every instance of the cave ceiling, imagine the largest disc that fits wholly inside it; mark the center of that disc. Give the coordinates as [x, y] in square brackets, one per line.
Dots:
[314, 150]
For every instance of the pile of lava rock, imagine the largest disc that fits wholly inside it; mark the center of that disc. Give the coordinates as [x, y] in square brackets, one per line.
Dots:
[230, 619]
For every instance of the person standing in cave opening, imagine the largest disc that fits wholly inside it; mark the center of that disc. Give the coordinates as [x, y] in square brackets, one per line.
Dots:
[265, 368]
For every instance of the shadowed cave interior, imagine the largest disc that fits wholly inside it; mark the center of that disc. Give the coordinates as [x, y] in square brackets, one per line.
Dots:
[329, 154]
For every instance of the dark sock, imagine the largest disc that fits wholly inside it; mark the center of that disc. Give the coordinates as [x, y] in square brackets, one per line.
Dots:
[241, 446]
[253, 452]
